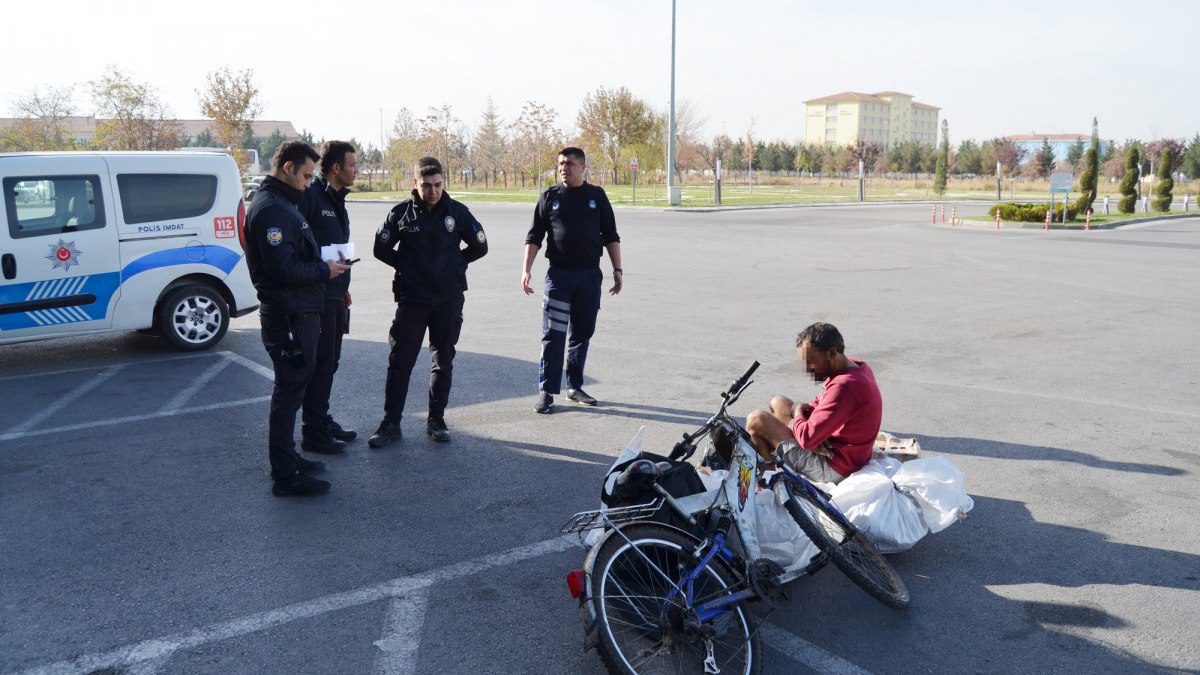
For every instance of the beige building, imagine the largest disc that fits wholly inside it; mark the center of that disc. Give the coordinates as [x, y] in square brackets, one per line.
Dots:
[884, 118]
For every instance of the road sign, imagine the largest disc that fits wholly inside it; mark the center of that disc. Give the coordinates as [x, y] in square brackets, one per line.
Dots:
[1060, 181]
[633, 164]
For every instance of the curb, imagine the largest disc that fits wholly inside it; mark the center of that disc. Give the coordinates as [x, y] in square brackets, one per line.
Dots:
[1073, 227]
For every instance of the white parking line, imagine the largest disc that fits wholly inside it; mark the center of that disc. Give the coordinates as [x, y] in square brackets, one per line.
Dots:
[12, 436]
[162, 648]
[807, 653]
[252, 365]
[67, 371]
[402, 634]
[181, 398]
[75, 395]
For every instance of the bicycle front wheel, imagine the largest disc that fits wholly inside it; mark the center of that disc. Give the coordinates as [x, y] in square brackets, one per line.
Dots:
[847, 548]
[646, 624]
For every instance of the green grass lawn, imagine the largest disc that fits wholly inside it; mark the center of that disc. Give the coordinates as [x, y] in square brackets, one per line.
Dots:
[740, 194]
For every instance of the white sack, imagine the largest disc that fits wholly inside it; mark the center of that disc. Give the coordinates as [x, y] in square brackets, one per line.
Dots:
[888, 517]
[939, 488]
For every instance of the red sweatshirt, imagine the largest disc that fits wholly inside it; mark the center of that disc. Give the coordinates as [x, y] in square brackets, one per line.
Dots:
[847, 414]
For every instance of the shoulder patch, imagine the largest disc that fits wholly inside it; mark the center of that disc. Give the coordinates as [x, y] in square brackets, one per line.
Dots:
[480, 236]
[554, 205]
[274, 236]
[383, 234]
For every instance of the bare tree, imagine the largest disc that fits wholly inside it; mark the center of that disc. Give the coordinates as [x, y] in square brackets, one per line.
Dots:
[404, 147]
[688, 125]
[536, 139]
[443, 136]
[709, 153]
[231, 100]
[613, 120]
[43, 119]
[135, 118]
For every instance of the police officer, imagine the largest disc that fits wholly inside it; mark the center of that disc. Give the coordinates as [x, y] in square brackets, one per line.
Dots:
[421, 239]
[581, 225]
[289, 275]
[324, 208]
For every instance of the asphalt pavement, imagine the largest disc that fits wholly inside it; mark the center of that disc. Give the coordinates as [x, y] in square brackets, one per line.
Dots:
[1058, 370]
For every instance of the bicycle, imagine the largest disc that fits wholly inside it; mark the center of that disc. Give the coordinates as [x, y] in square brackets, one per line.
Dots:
[656, 598]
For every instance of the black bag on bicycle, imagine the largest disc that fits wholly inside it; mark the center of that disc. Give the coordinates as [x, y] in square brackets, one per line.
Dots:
[629, 485]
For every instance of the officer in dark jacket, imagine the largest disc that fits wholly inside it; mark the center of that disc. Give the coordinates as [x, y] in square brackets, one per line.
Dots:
[577, 219]
[324, 207]
[289, 275]
[421, 239]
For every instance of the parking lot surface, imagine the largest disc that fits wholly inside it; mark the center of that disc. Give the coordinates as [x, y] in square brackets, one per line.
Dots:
[1058, 370]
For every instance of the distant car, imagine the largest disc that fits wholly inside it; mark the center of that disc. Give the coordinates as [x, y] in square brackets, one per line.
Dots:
[251, 186]
[93, 242]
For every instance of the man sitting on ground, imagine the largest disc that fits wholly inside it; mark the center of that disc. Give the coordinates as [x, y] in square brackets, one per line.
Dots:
[831, 437]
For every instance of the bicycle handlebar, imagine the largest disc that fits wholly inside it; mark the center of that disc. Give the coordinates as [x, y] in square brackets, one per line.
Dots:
[739, 383]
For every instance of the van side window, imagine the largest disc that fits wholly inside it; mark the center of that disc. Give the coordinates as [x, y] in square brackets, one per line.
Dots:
[149, 197]
[41, 205]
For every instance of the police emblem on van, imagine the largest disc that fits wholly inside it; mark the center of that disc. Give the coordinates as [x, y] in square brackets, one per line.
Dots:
[63, 254]
[449, 223]
[274, 236]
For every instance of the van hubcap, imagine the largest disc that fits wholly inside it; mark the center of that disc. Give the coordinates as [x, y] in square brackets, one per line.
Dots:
[197, 319]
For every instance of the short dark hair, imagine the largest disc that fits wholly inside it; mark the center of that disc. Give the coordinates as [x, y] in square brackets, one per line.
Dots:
[822, 336]
[572, 151]
[293, 151]
[427, 166]
[334, 152]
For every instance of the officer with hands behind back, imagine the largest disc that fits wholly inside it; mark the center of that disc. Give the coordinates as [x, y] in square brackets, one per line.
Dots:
[422, 240]
[289, 275]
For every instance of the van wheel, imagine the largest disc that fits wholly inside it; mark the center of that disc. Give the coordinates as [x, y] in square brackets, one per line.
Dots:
[193, 317]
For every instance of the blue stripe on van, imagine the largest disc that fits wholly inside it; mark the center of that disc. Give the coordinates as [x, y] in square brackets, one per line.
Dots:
[103, 286]
[215, 256]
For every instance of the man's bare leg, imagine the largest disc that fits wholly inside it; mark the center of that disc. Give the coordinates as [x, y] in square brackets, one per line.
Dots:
[781, 408]
[767, 431]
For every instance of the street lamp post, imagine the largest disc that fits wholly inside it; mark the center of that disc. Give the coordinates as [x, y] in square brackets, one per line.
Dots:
[672, 194]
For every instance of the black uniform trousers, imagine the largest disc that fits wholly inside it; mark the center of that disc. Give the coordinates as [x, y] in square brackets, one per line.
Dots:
[334, 320]
[444, 321]
[292, 374]
[569, 308]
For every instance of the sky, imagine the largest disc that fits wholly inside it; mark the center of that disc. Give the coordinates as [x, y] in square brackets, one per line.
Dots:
[994, 68]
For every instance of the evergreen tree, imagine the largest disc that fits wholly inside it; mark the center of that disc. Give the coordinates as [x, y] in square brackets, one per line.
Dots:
[1091, 171]
[1162, 191]
[943, 161]
[1129, 190]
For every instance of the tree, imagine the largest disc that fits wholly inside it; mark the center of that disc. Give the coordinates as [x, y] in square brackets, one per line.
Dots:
[717, 149]
[204, 139]
[612, 120]
[134, 117]
[1091, 172]
[1174, 145]
[1043, 159]
[536, 139]
[231, 100]
[1191, 159]
[1010, 155]
[970, 159]
[491, 143]
[867, 153]
[42, 121]
[943, 161]
[442, 135]
[404, 148]
[1129, 183]
[270, 145]
[1162, 191]
[1075, 152]
[688, 124]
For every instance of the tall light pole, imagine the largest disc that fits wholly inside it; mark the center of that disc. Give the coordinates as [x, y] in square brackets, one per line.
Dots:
[672, 195]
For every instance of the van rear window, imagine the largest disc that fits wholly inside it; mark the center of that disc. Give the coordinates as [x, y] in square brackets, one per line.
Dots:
[48, 205]
[149, 197]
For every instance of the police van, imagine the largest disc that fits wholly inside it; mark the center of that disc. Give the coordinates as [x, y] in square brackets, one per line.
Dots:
[92, 242]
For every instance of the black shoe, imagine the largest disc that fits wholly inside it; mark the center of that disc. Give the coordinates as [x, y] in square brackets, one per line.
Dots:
[387, 433]
[436, 428]
[338, 432]
[323, 444]
[299, 485]
[309, 467]
[580, 396]
[544, 403]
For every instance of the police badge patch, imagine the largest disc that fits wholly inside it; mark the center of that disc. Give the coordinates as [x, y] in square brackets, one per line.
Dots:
[591, 203]
[449, 223]
[554, 205]
[480, 236]
[383, 235]
[274, 236]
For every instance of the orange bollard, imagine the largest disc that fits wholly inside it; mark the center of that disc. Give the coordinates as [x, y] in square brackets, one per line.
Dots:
[997, 217]
[1047, 228]
[953, 215]
[943, 214]
[933, 218]
[1087, 226]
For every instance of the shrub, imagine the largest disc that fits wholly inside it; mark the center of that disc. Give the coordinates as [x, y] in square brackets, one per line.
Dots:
[1031, 213]
[1162, 191]
[1128, 203]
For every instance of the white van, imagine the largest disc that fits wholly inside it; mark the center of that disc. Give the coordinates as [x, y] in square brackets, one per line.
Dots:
[92, 242]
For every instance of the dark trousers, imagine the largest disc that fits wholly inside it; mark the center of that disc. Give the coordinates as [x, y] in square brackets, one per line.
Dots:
[291, 380]
[444, 321]
[334, 319]
[569, 308]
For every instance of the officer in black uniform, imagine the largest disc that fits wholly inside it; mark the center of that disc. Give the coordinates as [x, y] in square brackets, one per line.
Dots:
[324, 207]
[289, 275]
[421, 239]
[581, 225]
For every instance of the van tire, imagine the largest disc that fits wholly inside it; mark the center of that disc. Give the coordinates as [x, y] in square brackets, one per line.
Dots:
[193, 317]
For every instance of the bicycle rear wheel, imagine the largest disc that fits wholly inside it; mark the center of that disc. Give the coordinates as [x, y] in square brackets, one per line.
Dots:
[847, 548]
[644, 632]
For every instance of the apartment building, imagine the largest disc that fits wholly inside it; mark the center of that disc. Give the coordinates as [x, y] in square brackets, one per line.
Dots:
[883, 118]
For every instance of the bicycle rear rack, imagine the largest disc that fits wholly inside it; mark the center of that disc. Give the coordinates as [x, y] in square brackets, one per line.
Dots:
[590, 520]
